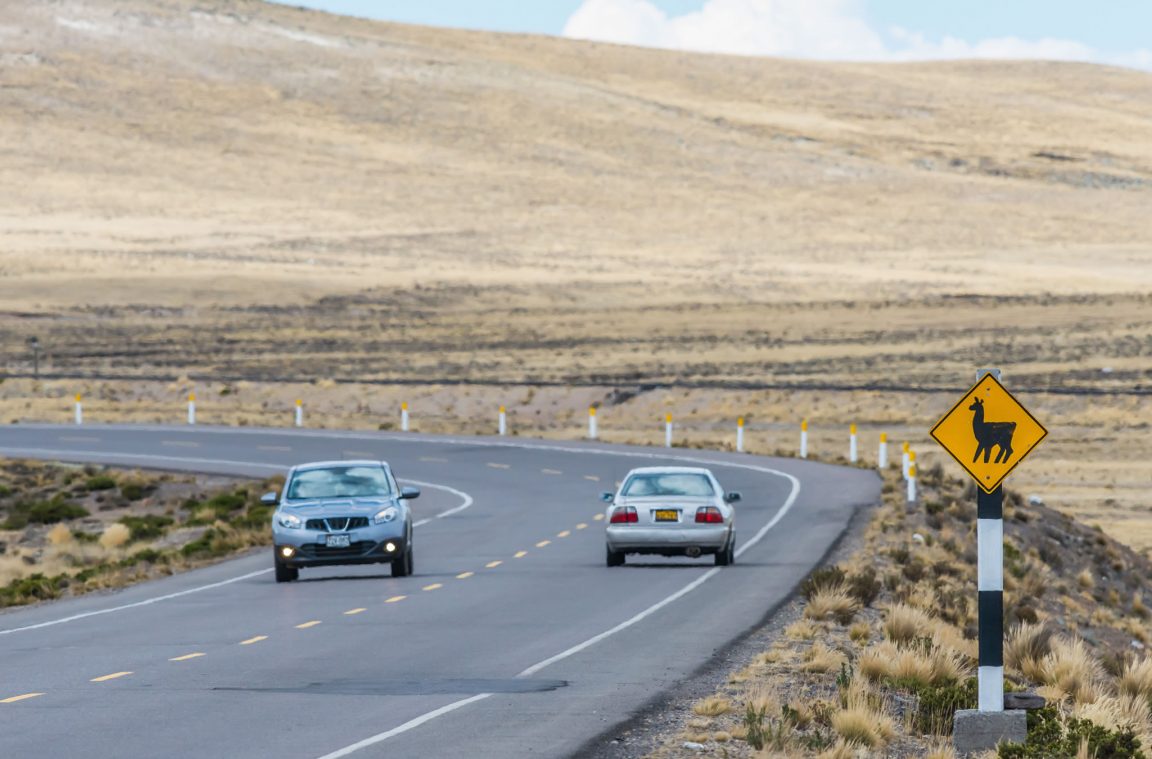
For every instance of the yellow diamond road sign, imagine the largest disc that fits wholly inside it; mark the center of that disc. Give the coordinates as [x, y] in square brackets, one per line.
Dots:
[988, 432]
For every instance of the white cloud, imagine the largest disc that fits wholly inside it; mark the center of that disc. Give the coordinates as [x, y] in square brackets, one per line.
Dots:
[824, 29]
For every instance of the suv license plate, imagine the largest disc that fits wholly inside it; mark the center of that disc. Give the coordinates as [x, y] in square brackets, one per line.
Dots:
[338, 541]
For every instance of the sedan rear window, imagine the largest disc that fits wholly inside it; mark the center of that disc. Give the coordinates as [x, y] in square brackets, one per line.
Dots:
[340, 482]
[668, 484]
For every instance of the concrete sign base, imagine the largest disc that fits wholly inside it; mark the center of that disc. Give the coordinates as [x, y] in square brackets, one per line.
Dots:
[976, 731]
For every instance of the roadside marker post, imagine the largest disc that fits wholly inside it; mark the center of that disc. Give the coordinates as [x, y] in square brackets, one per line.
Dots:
[192, 408]
[740, 435]
[906, 459]
[403, 417]
[804, 439]
[503, 421]
[882, 452]
[668, 431]
[911, 463]
[852, 450]
[299, 412]
[592, 423]
[911, 483]
[79, 410]
[971, 438]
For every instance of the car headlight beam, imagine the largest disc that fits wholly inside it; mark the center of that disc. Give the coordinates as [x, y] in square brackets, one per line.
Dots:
[387, 515]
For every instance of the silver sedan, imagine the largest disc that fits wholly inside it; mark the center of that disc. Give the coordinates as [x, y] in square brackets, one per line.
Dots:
[341, 512]
[671, 511]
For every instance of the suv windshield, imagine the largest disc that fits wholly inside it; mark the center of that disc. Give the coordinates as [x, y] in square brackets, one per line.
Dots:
[668, 484]
[340, 482]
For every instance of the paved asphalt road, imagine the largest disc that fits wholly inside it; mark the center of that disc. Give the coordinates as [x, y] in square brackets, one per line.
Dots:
[512, 639]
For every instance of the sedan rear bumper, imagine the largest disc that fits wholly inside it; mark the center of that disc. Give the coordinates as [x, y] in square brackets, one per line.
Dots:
[634, 539]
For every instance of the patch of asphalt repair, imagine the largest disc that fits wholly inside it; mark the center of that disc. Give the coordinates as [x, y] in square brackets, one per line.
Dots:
[664, 715]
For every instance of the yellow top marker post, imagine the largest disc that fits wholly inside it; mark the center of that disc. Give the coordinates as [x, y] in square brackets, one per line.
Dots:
[852, 429]
[912, 471]
[912, 458]
[191, 397]
[403, 406]
[668, 418]
[501, 409]
[591, 411]
[804, 425]
[299, 402]
[883, 437]
[740, 422]
[905, 446]
[77, 397]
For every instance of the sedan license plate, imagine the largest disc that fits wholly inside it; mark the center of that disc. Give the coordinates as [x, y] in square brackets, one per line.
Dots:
[667, 515]
[338, 541]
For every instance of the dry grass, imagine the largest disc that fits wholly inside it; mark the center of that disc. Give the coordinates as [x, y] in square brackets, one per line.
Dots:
[801, 629]
[833, 603]
[861, 721]
[904, 623]
[1073, 669]
[1119, 712]
[820, 658]
[60, 536]
[1086, 580]
[1025, 649]
[1136, 679]
[860, 632]
[115, 536]
[713, 706]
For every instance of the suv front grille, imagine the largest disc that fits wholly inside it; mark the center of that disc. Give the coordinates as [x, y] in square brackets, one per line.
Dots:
[337, 524]
[354, 551]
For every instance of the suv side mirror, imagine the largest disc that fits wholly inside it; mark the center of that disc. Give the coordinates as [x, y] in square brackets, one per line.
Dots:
[607, 496]
[407, 494]
[732, 497]
[270, 498]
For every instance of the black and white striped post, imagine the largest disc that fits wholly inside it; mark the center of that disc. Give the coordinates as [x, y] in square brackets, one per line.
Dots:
[990, 603]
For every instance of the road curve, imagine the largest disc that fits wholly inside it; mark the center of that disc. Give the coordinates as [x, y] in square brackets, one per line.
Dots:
[513, 639]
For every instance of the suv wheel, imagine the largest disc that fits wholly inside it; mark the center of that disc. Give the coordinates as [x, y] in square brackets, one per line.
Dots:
[286, 574]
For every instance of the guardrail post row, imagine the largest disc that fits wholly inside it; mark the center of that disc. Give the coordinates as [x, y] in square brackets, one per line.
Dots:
[882, 452]
[852, 449]
[912, 483]
[503, 421]
[668, 431]
[804, 439]
[299, 412]
[79, 410]
[403, 417]
[740, 435]
[191, 408]
[904, 464]
[592, 423]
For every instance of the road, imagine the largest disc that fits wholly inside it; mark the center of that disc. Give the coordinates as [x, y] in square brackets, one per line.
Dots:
[512, 639]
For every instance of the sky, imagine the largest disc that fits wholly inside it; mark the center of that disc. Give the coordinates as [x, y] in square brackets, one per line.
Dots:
[1104, 31]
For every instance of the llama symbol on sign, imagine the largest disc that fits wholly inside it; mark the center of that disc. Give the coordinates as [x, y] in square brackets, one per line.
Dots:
[990, 435]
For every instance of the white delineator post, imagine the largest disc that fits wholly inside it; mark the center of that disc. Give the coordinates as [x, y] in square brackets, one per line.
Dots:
[882, 452]
[592, 431]
[299, 412]
[403, 417]
[668, 431]
[79, 410]
[990, 598]
[192, 408]
[740, 435]
[503, 421]
[804, 439]
[912, 483]
[852, 450]
[904, 464]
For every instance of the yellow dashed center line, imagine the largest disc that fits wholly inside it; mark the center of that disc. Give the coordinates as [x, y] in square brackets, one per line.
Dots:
[592, 477]
[520, 554]
[350, 612]
[564, 534]
[433, 458]
[306, 625]
[395, 599]
[283, 448]
[250, 641]
[186, 657]
[493, 564]
[105, 678]
[500, 466]
[25, 697]
[582, 526]
[433, 586]
[598, 517]
[464, 575]
[551, 471]
[543, 543]
[180, 443]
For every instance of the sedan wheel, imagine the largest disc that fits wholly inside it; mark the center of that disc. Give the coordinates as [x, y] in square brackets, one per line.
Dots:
[614, 558]
[727, 555]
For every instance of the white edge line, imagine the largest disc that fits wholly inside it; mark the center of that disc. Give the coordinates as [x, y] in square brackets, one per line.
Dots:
[468, 501]
[410, 724]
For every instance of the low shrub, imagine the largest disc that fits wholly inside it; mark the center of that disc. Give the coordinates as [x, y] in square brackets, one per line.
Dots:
[100, 482]
[43, 512]
[820, 579]
[937, 704]
[147, 527]
[1050, 735]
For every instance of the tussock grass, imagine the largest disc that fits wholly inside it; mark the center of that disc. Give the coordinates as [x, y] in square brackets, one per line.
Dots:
[1086, 580]
[1136, 679]
[860, 632]
[1025, 649]
[832, 602]
[1119, 713]
[904, 623]
[862, 721]
[115, 536]
[941, 750]
[801, 629]
[60, 536]
[821, 658]
[1072, 668]
[713, 706]
[841, 750]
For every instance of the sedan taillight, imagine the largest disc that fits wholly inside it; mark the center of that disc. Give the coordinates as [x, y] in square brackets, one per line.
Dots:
[709, 515]
[624, 515]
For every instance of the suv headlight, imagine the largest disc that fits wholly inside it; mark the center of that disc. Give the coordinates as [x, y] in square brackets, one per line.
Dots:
[291, 521]
[387, 515]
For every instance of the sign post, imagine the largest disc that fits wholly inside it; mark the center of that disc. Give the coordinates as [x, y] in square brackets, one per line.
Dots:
[989, 433]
